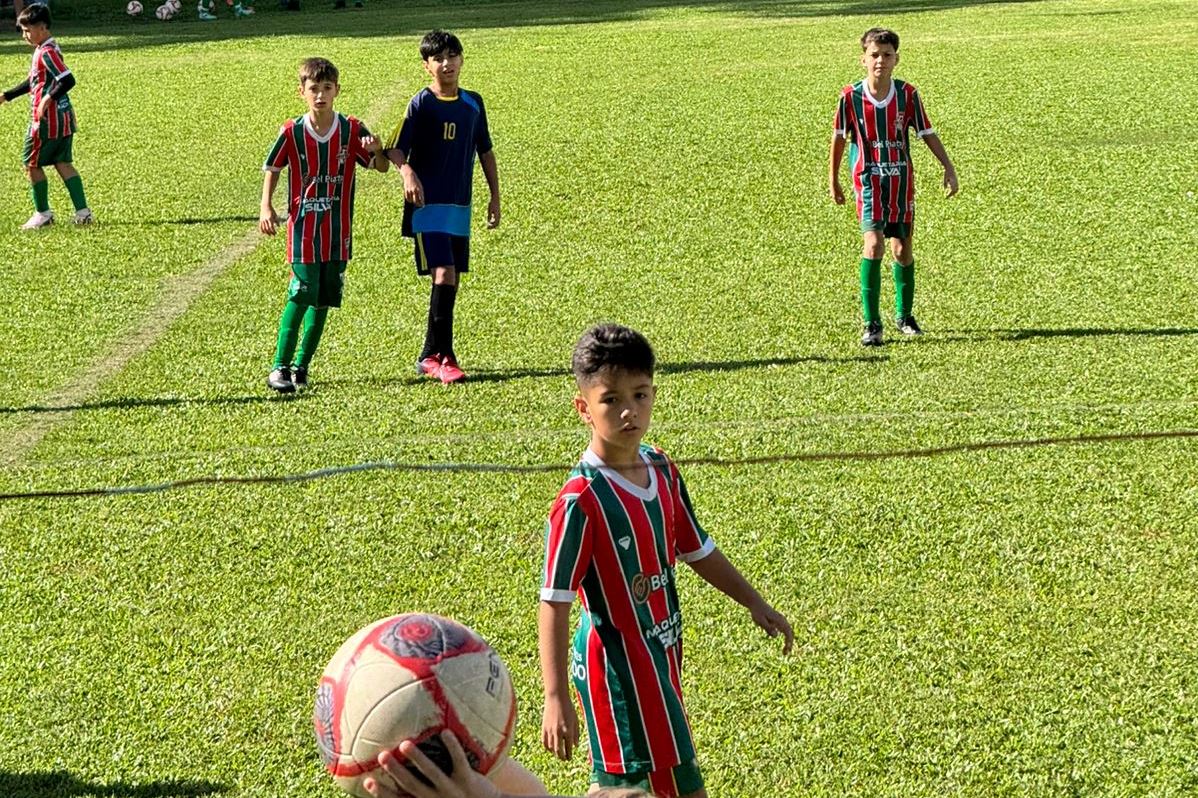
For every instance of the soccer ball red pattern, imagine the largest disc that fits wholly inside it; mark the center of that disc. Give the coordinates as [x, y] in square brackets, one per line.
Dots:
[410, 677]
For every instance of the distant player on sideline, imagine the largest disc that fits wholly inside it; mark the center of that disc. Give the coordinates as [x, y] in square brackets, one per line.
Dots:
[434, 148]
[320, 151]
[463, 783]
[875, 115]
[615, 532]
[52, 128]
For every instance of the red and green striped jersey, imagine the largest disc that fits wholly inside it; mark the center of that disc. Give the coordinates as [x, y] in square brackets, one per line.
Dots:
[320, 186]
[617, 544]
[48, 66]
[880, 151]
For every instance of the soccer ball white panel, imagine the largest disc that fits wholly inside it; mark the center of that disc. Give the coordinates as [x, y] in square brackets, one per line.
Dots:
[133, 9]
[479, 689]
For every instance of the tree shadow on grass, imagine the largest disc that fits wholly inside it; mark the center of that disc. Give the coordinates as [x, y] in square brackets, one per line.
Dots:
[396, 18]
[507, 375]
[61, 783]
[1077, 332]
[126, 403]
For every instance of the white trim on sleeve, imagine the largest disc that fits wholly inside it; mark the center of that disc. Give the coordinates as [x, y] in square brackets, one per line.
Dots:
[269, 168]
[922, 133]
[838, 133]
[700, 553]
[563, 596]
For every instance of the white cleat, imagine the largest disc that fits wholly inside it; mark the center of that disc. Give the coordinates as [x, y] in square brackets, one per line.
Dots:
[38, 220]
[84, 216]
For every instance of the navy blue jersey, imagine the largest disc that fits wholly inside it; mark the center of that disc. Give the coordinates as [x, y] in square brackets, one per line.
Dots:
[440, 137]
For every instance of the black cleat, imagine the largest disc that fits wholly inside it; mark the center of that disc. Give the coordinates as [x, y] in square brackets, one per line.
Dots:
[872, 335]
[280, 380]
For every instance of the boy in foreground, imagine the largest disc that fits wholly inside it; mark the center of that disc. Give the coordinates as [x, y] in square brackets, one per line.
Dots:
[617, 528]
[875, 115]
[320, 151]
[434, 149]
[52, 129]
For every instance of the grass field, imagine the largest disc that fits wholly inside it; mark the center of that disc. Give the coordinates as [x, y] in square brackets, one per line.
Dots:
[1011, 620]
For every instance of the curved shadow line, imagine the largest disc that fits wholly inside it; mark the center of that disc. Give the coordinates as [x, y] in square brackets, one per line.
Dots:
[498, 468]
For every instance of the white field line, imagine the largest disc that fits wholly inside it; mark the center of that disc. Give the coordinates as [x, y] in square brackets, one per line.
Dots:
[177, 295]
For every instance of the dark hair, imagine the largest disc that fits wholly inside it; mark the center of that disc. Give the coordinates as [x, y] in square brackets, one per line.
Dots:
[436, 41]
[881, 36]
[318, 70]
[608, 347]
[35, 14]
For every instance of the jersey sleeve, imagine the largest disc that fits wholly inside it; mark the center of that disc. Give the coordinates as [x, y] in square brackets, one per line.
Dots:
[401, 137]
[482, 137]
[691, 542]
[840, 122]
[52, 64]
[277, 159]
[919, 116]
[567, 548]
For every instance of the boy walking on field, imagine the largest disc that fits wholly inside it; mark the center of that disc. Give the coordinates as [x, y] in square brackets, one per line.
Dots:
[615, 532]
[876, 115]
[434, 149]
[320, 151]
[52, 129]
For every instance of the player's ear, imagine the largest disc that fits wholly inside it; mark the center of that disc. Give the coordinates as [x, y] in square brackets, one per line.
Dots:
[580, 405]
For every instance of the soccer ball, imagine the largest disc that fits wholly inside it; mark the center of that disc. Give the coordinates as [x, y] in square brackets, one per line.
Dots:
[133, 9]
[176, 5]
[410, 677]
[164, 12]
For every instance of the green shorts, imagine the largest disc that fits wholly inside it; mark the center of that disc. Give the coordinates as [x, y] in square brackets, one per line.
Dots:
[317, 284]
[681, 779]
[889, 229]
[46, 152]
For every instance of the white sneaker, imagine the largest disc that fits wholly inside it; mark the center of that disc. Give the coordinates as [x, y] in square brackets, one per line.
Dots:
[39, 219]
[84, 216]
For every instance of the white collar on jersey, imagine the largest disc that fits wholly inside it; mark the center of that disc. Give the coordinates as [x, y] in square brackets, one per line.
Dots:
[644, 494]
[312, 131]
[878, 103]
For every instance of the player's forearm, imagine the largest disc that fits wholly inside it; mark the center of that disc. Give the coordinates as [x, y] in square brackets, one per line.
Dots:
[553, 639]
[269, 182]
[937, 148]
[720, 573]
[19, 90]
[490, 171]
[835, 156]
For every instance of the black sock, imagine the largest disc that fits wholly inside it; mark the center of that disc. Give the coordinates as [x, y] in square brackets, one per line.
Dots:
[441, 317]
[430, 333]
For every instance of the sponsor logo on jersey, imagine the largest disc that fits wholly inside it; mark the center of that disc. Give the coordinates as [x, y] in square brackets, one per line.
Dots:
[898, 120]
[643, 586]
[342, 155]
[316, 205]
[625, 542]
[667, 631]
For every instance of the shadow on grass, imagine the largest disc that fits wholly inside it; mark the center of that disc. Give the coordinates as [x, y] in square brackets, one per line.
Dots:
[61, 783]
[395, 18]
[506, 375]
[127, 403]
[1083, 332]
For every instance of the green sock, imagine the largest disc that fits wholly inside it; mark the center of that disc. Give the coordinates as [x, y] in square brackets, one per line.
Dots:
[41, 195]
[75, 186]
[289, 326]
[313, 328]
[871, 287]
[904, 289]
